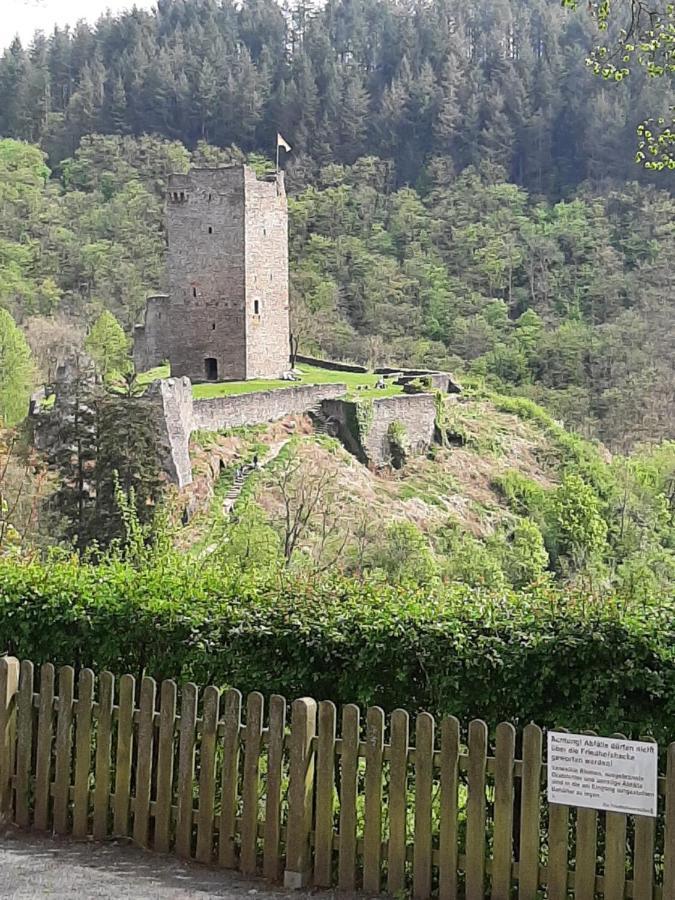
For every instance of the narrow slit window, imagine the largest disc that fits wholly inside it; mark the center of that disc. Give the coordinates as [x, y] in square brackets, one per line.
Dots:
[213, 326]
[256, 307]
[210, 229]
[194, 291]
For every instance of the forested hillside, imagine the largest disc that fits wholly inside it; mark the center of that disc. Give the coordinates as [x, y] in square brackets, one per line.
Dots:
[567, 302]
[501, 81]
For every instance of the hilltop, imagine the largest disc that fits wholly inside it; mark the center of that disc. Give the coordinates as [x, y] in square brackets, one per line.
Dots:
[511, 498]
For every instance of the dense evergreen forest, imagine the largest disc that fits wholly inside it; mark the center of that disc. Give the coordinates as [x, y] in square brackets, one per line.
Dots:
[503, 81]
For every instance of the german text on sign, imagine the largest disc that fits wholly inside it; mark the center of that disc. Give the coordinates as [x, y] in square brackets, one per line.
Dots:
[610, 774]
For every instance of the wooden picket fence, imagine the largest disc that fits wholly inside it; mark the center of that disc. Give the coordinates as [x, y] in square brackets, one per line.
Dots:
[296, 801]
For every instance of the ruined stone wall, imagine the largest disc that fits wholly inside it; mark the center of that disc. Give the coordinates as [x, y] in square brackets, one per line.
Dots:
[267, 304]
[177, 415]
[260, 406]
[170, 400]
[150, 338]
[369, 440]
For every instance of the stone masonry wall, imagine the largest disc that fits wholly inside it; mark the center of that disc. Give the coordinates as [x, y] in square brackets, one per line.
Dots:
[227, 267]
[416, 412]
[171, 400]
[267, 303]
[260, 406]
[206, 273]
[177, 415]
[150, 338]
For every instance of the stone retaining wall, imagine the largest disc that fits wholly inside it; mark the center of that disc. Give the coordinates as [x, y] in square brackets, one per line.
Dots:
[260, 406]
[177, 415]
[415, 412]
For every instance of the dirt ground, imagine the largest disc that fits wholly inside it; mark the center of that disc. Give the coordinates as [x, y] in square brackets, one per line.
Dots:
[32, 867]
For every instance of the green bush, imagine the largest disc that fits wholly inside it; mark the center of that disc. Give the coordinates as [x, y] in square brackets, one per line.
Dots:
[524, 496]
[535, 655]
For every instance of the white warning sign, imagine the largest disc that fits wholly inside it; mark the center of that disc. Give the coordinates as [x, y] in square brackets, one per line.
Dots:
[611, 774]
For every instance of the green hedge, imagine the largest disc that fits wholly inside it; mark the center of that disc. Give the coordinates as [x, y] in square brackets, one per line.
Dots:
[536, 656]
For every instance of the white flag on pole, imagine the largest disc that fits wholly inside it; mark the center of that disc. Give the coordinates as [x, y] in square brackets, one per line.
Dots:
[282, 143]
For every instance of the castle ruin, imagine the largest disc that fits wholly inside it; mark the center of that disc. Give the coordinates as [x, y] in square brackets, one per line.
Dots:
[226, 316]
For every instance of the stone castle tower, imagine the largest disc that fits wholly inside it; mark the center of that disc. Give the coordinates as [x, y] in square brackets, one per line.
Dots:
[226, 316]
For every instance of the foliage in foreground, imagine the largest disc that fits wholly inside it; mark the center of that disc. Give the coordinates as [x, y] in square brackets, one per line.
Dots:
[535, 655]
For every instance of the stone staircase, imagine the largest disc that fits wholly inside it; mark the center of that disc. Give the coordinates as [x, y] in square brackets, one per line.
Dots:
[240, 479]
[236, 488]
[319, 420]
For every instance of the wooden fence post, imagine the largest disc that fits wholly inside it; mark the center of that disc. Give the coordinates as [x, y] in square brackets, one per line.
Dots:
[9, 686]
[300, 794]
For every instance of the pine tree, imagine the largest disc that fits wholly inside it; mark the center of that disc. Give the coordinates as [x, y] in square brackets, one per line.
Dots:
[74, 454]
[127, 458]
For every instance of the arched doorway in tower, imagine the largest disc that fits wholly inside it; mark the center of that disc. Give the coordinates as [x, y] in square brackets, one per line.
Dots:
[211, 368]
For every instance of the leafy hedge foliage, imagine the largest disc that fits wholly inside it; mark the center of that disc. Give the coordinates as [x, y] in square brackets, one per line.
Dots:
[529, 656]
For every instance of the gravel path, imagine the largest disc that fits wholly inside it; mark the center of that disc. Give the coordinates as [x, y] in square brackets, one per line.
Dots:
[32, 866]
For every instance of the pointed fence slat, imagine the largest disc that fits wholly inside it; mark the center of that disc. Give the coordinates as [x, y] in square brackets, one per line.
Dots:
[643, 855]
[146, 739]
[64, 746]
[448, 846]
[124, 755]
[83, 730]
[164, 796]
[24, 745]
[106, 696]
[227, 849]
[424, 781]
[669, 838]
[475, 811]
[643, 858]
[615, 852]
[349, 773]
[186, 770]
[586, 852]
[325, 791]
[558, 840]
[45, 736]
[251, 784]
[502, 854]
[207, 775]
[275, 759]
[528, 864]
[300, 793]
[372, 832]
[9, 686]
[398, 793]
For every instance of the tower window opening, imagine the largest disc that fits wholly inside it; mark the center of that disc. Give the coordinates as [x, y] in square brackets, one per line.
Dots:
[194, 291]
[256, 307]
[210, 229]
[213, 326]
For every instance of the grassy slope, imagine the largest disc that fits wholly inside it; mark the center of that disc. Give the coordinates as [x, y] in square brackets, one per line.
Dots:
[456, 485]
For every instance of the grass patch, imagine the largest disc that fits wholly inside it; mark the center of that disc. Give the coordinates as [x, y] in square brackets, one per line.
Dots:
[358, 384]
[153, 374]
